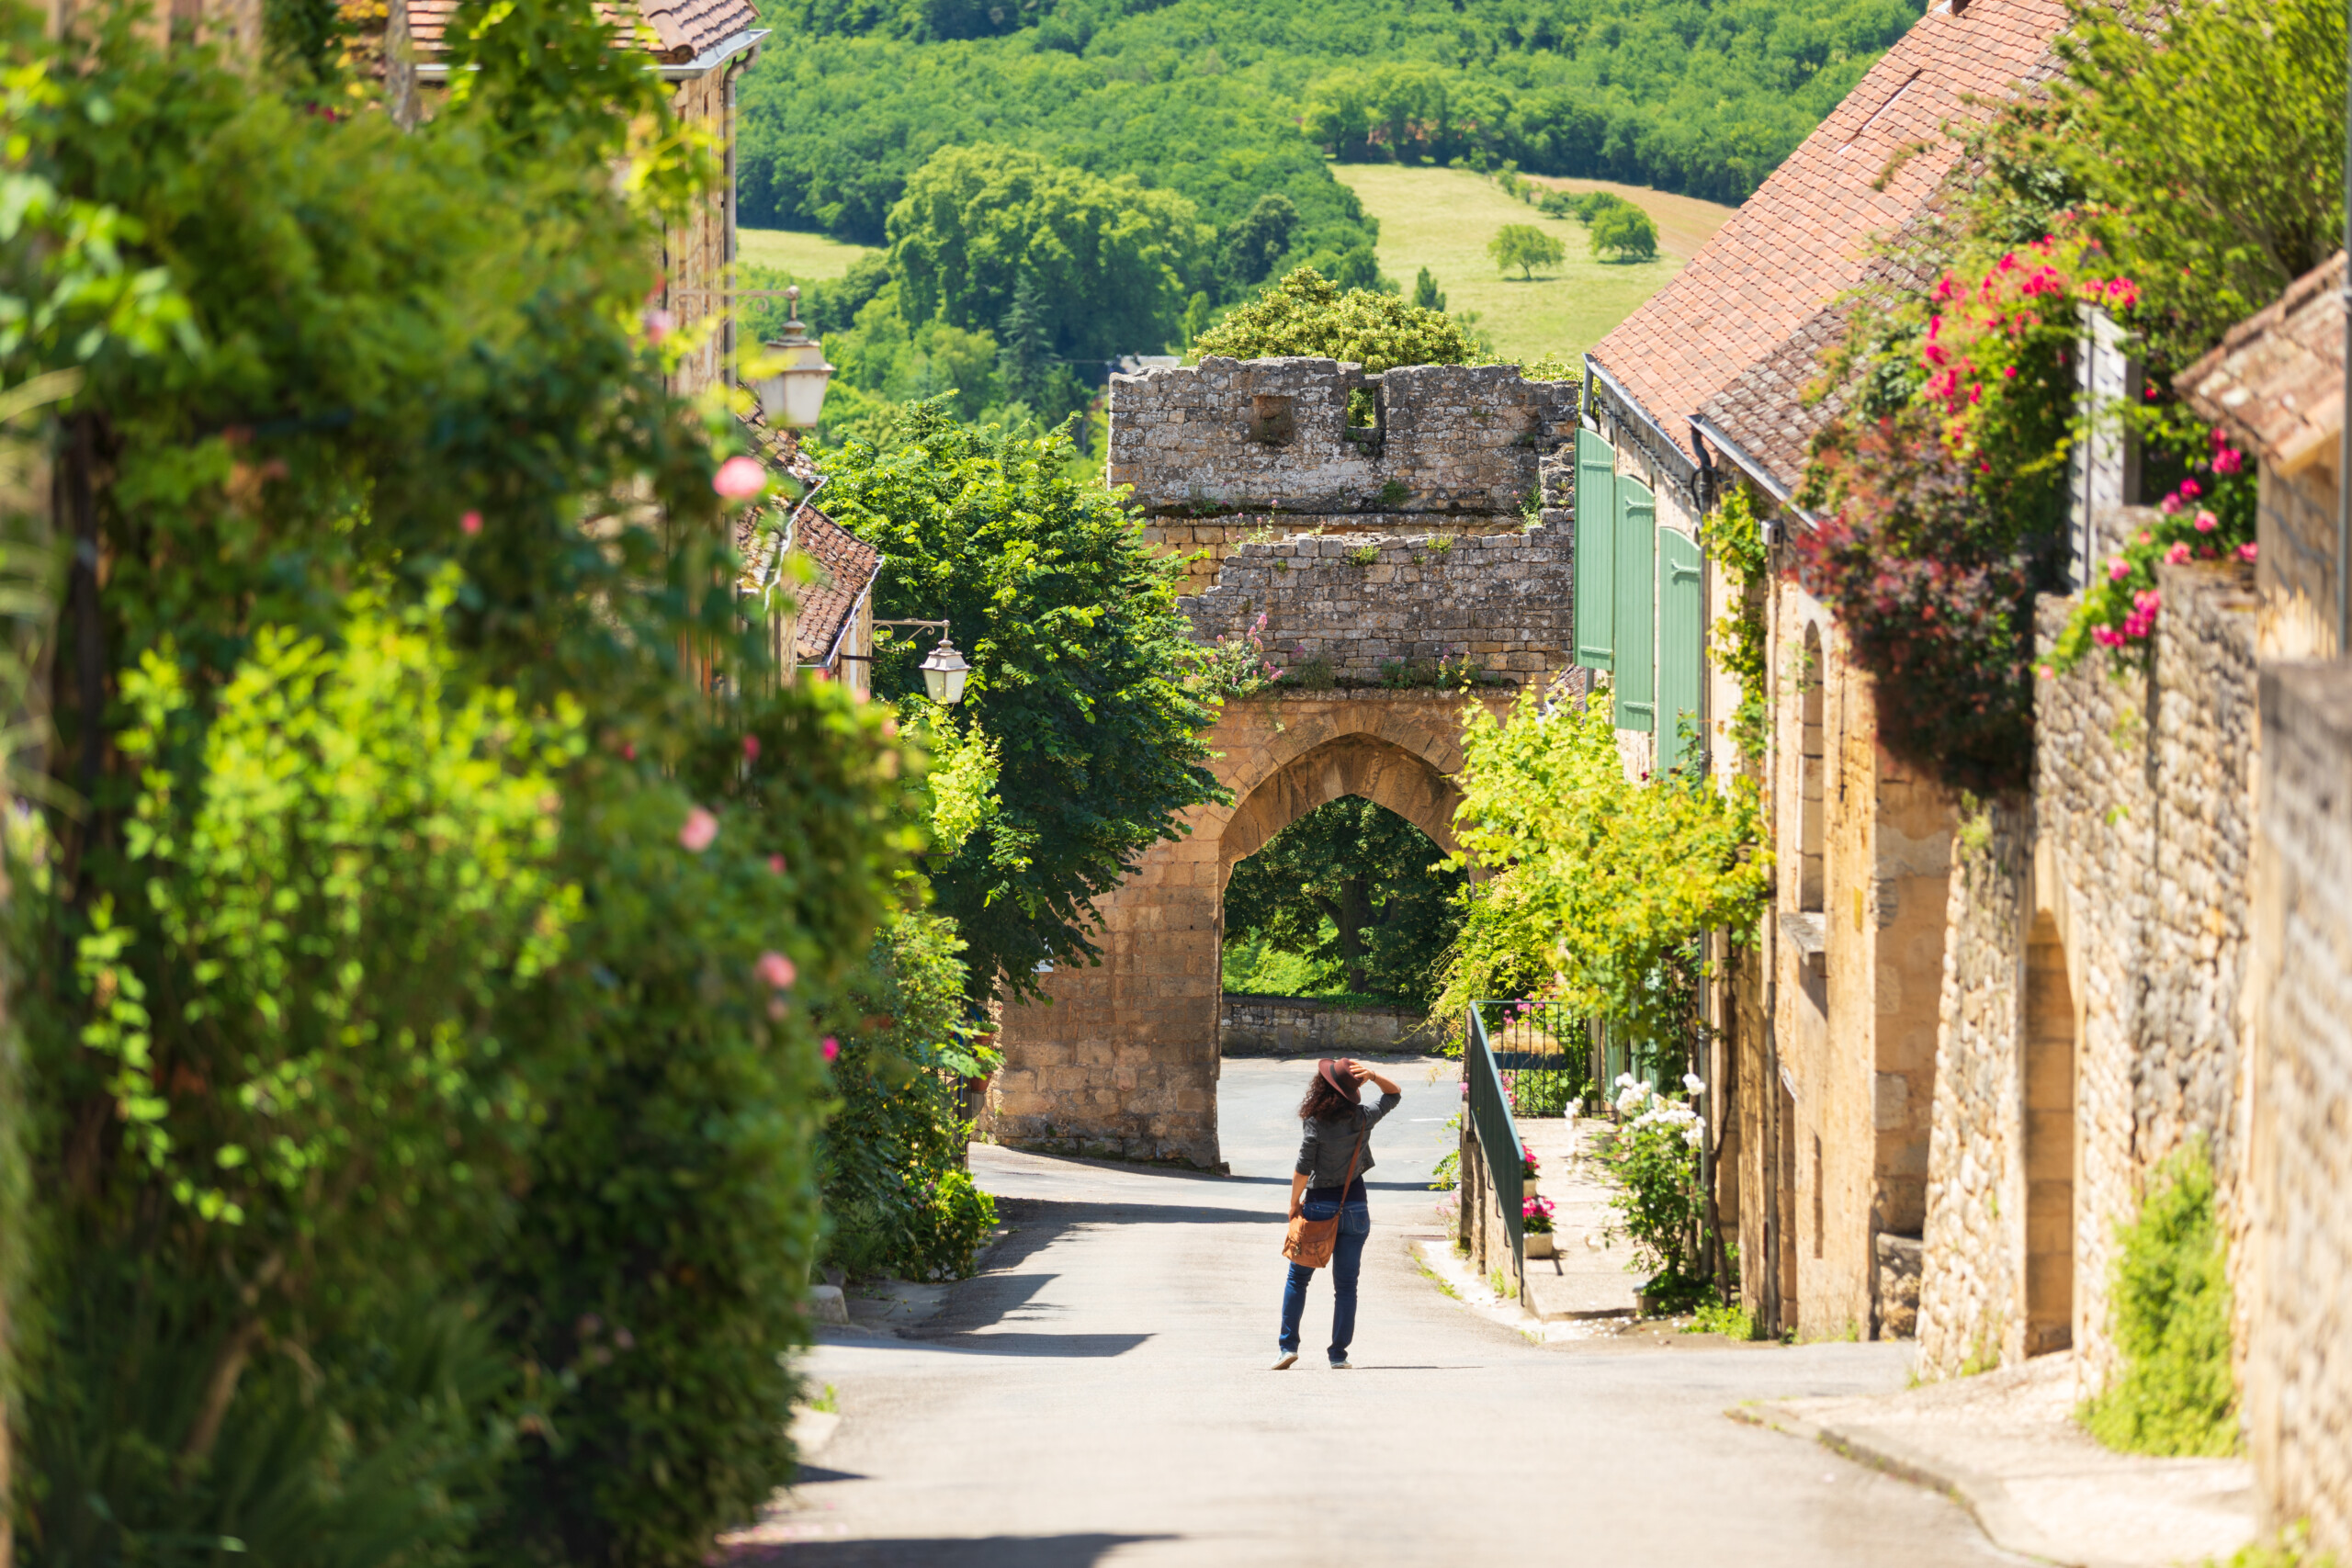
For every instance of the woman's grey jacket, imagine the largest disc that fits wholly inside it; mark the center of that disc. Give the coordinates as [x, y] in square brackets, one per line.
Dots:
[1323, 1152]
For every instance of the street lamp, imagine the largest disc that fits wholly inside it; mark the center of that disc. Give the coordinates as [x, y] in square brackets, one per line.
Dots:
[795, 394]
[943, 672]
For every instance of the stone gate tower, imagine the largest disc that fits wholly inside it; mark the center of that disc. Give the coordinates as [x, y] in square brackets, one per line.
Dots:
[1380, 524]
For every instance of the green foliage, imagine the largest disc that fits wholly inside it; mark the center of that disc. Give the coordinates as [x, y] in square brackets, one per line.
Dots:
[2209, 142]
[1252, 965]
[1109, 261]
[1426, 295]
[2170, 1315]
[1623, 233]
[1598, 885]
[1308, 314]
[1352, 885]
[1208, 96]
[1730, 1319]
[1526, 247]
[400, 1093]
[897, 1197]
[1079, 666]
[1734, 538]
[2291, 1547]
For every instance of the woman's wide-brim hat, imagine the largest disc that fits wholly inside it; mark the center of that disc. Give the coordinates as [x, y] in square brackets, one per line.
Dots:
[1348, 1086]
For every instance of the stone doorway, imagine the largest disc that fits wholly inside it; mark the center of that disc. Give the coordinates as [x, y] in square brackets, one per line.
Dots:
[2049, 1142]
[1122, 1061]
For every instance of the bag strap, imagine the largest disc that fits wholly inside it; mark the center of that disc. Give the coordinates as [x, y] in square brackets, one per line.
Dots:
[1363, 1133]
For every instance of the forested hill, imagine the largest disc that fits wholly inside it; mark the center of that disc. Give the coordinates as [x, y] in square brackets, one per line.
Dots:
[1222, 100]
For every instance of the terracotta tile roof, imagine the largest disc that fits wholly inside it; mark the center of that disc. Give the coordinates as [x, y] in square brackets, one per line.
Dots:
[1806, 236]
[845, 565]
[680, 29]
[1764, 406]
[2277, 382]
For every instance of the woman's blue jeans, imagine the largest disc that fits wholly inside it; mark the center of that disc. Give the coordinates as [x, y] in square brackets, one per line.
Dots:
[1347, 1263]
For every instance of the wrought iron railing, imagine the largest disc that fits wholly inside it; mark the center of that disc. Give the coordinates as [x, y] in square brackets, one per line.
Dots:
[1499, 1141]
[1546, 1056]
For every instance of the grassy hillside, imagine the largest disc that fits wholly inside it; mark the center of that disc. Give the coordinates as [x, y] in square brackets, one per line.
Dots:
[806, 258]
[1442, 218]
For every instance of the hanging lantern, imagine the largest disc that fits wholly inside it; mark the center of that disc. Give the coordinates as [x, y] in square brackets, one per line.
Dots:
[795, 395]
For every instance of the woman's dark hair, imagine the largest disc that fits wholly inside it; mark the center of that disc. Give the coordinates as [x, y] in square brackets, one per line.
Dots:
[1324, 1102]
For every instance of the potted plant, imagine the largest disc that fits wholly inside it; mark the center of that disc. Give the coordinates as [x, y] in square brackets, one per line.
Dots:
[1529, 1167]
[1536, 1226]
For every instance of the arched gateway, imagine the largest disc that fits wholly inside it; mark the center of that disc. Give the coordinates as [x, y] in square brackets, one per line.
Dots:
[1404, 550]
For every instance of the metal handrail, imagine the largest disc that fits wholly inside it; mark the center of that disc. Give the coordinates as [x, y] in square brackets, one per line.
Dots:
[1498, 1139]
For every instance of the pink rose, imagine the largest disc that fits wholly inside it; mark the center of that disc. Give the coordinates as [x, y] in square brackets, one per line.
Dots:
[750, 748]
[2246, 551]
[2227, 459]
[2178, 554]
[2207, 522]
[2147, 601]
[2169, 504]
[832, 1048]
[2190, 490]
[738, 478]
[774, 969]
[2118, 568]
[700, 829]
[470, 522]
[2047, 673]
[775, 863]
[658, 325]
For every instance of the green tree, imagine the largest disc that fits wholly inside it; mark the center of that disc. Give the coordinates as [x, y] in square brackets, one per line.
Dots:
[1197, 314]
[1249, 248]
[1353, 885]
[1623, 233]
[1308, 315]
[1079, 658]
[1110, 259]
[1524, 246]
[1425, 292]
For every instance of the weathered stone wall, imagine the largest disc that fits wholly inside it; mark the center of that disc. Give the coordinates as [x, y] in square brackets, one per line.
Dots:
[1972, 1287]
[2299, 1365]
[1273, 436]
[2140, 864]
[1205, 542]
[1505, 602]
[2296, 567]
[1304, 1026]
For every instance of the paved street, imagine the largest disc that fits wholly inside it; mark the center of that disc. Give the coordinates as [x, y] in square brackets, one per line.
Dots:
[1099, 1394]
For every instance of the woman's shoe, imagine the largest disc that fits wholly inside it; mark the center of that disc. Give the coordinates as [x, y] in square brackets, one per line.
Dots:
[1341, 1365]
[1289, 1359]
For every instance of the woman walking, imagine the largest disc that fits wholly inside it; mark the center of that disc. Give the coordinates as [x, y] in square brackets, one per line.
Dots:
[1333, 1153]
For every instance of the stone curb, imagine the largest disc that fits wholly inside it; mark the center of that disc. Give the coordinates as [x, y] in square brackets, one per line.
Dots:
[1986, 1497]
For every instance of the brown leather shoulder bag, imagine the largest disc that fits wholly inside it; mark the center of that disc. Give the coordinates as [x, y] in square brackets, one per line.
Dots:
[1309, 1241]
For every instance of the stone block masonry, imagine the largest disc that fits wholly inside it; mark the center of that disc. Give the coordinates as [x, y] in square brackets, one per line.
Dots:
[2298, 1363]
[1231, 435]
[2094, 1013]
[1306, 1026]
[1504, 602]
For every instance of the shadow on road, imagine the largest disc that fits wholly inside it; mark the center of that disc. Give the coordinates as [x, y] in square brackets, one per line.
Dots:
[989, 1551]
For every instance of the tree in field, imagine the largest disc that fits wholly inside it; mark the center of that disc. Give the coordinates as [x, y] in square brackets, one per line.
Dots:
[1425, 292]
[1623, 232]
[1078, 658]
[1351, 883]
[1109, 257]
[1526, 247]
[1308, 314]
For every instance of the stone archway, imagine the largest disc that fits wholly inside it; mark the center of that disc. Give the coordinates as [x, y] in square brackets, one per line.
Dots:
[1124, 1059]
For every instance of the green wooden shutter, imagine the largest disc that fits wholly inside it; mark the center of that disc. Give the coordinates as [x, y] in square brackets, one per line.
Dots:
[1681, 644]
[1596, 573]
[1635, 609]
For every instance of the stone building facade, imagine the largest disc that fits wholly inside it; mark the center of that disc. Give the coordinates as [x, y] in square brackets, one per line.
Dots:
[2094, 1017]
[2297, 1383]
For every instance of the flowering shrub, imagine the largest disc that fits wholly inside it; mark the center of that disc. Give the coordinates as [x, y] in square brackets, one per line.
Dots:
[1529, 1166]
[1659, 1206]
[1237, 666]
[2209, 516]
[1535, 1216]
